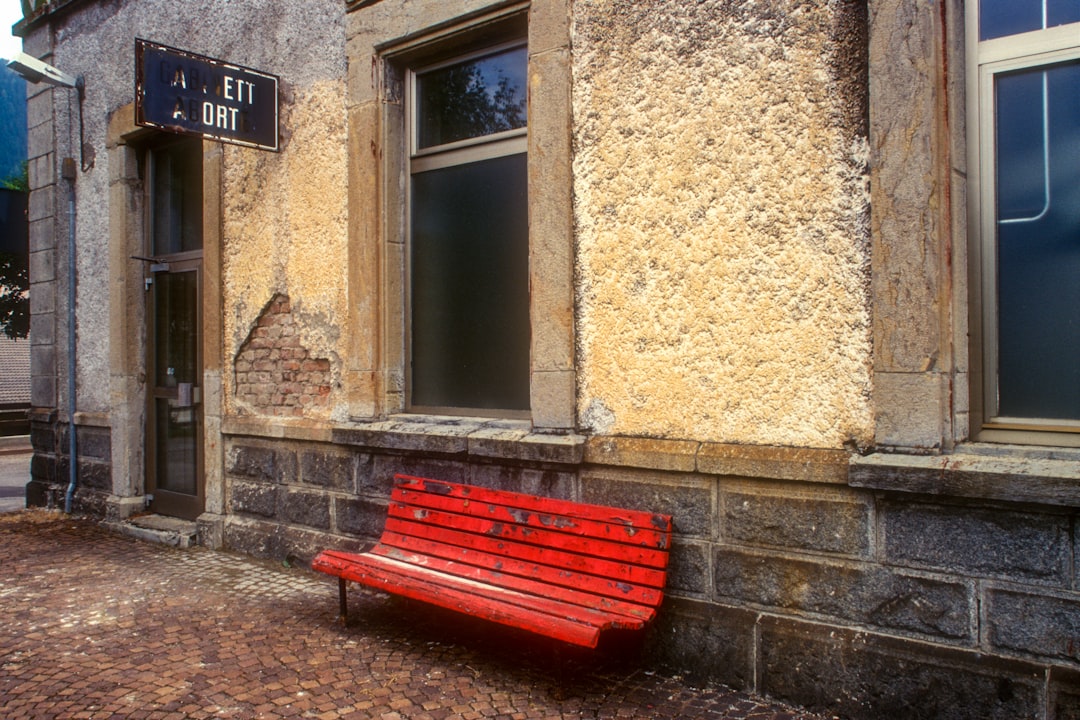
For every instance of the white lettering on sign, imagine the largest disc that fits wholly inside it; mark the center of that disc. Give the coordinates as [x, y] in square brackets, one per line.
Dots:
[220, 116]
[237, 93]
[209, 113]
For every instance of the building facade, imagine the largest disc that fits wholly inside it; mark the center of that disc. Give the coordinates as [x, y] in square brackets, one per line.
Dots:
[797, 272]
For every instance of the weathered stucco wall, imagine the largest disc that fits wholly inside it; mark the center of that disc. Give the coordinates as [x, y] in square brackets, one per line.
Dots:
[722, 209]
[284, 213]
[285, 233]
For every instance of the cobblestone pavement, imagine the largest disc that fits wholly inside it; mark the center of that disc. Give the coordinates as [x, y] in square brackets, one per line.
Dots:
[97, 625]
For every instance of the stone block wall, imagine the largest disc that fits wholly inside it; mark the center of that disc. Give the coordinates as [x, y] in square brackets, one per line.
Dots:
[50, 466]
[294, 498]
[852, 601]
[872, 604]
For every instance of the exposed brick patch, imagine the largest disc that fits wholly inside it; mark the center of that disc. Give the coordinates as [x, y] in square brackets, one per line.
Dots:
[274, 373]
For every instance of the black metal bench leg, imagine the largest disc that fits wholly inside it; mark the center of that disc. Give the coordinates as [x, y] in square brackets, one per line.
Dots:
[343, 601]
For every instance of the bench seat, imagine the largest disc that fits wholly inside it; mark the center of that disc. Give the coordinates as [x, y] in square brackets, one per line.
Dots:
[553, 567]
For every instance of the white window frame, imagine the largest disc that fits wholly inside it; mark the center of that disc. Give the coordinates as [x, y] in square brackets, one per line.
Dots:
[985, 60]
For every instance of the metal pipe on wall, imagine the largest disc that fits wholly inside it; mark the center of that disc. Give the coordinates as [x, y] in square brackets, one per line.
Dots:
[67, 171]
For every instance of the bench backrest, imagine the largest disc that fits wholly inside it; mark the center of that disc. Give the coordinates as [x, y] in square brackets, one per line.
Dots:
[616, 557]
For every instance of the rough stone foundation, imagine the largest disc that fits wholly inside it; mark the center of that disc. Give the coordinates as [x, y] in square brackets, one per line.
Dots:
[849, 601]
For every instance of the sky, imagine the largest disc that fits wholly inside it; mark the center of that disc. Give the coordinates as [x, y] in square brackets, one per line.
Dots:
[10, 13]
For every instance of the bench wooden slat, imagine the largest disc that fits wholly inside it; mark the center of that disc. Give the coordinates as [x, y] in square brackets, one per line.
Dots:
[442, 594]
[529, 536]
[558, 575]
[618, 532]
[555, 567]
[603, 513]
[398, 568]
[561, 593]
[550, 557]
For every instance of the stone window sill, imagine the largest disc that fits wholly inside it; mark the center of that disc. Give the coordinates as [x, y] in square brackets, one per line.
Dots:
[990, 472]
[450, 436]
[461, 436]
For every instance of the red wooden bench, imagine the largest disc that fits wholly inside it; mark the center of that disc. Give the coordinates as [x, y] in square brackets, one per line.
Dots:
[562, 569]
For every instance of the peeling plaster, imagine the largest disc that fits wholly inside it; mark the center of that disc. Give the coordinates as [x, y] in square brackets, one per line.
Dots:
[285, 229]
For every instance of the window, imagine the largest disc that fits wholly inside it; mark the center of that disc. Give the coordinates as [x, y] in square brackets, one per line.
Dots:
[1024, 99]
[468, 251]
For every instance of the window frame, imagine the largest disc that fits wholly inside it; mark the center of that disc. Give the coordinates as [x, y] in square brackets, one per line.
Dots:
[986, 59]
[453, 154]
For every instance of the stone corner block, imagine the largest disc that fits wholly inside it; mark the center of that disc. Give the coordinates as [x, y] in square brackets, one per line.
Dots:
[118, 509]
[210, 528]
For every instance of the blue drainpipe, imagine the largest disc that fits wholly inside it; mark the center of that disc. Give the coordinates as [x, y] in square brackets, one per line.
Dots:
[68, 173]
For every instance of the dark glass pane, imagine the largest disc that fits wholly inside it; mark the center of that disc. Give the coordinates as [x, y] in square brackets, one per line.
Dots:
[470, 286]
[1061, 12]
[998, 18]
[175, 328]
[1039, 252]
[177, 198]
[1021, 147]
[176, 436]
[472, 99]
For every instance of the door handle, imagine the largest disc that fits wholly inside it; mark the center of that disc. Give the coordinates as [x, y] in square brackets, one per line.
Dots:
[156, 265]
[184, 394]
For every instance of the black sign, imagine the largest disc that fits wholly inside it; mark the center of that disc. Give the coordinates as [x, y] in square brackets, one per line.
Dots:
[186, 93]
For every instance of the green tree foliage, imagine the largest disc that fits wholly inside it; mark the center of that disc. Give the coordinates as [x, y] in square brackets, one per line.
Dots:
[15, 276]
[14, 296]
[19, 182]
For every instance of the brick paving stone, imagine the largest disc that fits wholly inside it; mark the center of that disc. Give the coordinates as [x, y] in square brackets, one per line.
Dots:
[97, 625]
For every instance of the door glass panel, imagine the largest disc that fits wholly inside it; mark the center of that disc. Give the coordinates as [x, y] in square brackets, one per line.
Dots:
[1038, 222]
[177, 199]
[176, 371]
[470, 286]
[177, 433]
[175, 329]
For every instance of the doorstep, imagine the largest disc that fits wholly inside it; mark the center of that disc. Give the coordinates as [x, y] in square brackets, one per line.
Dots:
[159, 529]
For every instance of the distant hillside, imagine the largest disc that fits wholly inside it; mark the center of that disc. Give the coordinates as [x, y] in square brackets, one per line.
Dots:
[12, 123]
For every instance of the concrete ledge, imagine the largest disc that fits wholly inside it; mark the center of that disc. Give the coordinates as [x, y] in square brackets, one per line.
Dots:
[993, 473]
[821, 465]
[42, 414]
[15, 444]
[647, 453]
[276, 428]
[92, 419]
[453, 436]
[780, 463]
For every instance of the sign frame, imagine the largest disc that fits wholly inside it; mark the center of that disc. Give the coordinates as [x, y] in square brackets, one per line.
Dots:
[183, 92]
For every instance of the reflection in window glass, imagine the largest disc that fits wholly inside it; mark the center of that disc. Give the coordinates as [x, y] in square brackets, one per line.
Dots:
[471, 99]
[470, 286]
[998, 18]
[1038, 219]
